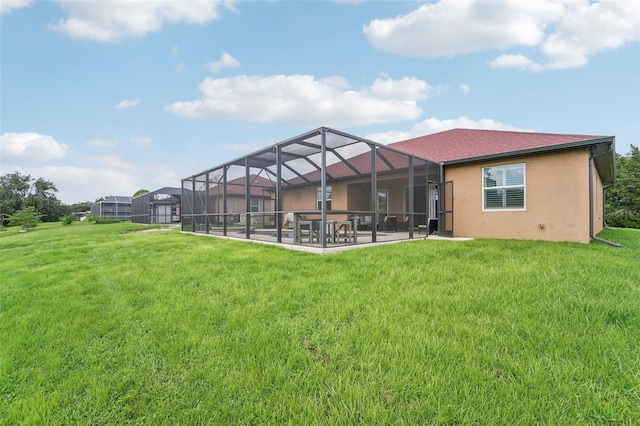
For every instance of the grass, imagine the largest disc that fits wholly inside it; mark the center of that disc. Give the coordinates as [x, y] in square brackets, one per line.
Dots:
[100, 325]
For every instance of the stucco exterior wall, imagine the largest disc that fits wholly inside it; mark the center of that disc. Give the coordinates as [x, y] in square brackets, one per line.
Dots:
[359, 196]
[348, 195]
[598, 203]
[556, 200]
[304, 199]
[395, 188]
[297, 199]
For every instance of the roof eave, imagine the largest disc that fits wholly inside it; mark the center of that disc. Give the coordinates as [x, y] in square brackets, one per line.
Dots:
[604, 163]
[530, 151]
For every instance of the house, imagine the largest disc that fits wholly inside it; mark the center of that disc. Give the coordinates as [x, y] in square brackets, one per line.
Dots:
[113, 206]
[464, 183]
[260, 199]
[216, 204]
[159, 206]
[522, 185]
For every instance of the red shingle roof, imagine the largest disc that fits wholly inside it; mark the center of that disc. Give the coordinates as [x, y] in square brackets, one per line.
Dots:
[461, 144]
[237, 187]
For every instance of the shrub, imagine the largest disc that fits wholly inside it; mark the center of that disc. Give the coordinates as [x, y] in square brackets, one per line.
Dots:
[623, 220]
[91, 218]
[106, 220]
[26, 218]
[68, 219]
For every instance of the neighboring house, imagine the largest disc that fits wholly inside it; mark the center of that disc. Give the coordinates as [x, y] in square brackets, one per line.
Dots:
[467, 183]
[113, 206]
[261, 198]
[159, 206]
[212, 204]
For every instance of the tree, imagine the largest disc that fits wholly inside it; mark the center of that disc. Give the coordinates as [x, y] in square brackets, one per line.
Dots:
[623, 198]
[18, 191]
[624, 195]
[14, 189]
[26, 218]
[84, 206]
[44, 200]
[140, 192]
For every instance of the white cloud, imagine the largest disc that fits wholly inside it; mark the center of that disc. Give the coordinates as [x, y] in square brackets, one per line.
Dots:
[31, 147]
[108, 161]
[7, 6]
[588, 28]
[336, 81]
[304, 101]
[114, 20]
[174, 51]
[434, 125]
[225, 61]
[406, 88]
[518, 61]
[453, 27]
[78, 184]
[464, 88]
[142, 142]
[181, 68]
[128, 104]
[101, 176]
[163, 177]
[103, 143]
[565, 32]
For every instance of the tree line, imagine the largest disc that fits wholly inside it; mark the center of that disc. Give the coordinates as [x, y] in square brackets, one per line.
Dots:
[19, 192]
[622, 200]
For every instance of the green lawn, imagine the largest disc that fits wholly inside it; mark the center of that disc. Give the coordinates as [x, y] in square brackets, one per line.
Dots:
[99, 325]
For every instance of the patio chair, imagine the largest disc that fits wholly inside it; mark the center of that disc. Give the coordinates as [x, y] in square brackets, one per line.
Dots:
[390, 224]
[364, 223]
[289, 220]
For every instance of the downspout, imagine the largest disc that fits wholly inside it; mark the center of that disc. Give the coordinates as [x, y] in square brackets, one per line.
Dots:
[440, 206]
[593, 237]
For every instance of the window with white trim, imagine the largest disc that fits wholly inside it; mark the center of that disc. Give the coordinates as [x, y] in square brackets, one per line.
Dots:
[503, 187]
[327, 198]
[255, 205]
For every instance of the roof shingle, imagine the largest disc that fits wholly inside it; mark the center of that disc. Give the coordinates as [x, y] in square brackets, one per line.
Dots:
[461, 144]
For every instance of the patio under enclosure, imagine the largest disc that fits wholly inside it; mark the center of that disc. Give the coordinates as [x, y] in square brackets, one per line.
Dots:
[322, 188]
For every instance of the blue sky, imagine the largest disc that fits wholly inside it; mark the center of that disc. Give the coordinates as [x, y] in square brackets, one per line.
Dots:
[105, 97]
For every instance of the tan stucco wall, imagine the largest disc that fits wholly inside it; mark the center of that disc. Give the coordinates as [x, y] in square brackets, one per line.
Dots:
[598, 203]
[296, 199]
[359, 196]
[557, 196]
[347, 196]
[396, 194]
[304, 199]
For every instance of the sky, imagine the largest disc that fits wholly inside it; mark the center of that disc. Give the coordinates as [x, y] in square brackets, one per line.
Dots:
[106, 97]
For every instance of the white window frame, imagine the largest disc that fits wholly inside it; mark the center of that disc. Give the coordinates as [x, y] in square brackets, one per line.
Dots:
[255, 204]
[504, 186]
[319, 197]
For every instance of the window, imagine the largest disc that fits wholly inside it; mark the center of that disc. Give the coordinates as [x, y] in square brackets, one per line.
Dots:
[383, 202]
[503, 187]
[255, 205]
[327, 198]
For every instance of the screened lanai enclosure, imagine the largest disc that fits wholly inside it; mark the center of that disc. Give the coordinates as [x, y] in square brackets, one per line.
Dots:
[159, 206]
[323, 188]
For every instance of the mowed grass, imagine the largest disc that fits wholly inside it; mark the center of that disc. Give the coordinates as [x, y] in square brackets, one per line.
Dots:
[100, 325]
